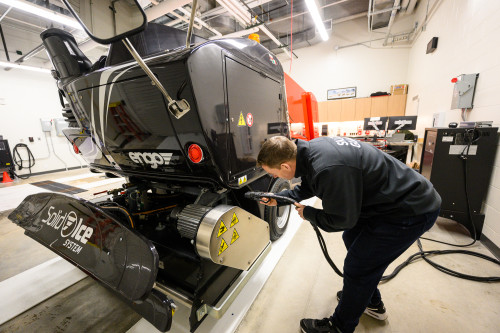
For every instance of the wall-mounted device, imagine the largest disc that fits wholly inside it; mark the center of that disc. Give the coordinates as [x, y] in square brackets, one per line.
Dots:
[464, 90]
[46, 124]
[60, 124]
[459, 162]
[432, 45]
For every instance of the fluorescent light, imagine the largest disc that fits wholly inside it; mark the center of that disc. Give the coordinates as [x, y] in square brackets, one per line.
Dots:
[42, 12]
[236, 34]
[313, 9]
[29, 68]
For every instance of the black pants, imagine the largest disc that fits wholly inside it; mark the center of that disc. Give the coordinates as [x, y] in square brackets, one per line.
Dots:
[371, 246]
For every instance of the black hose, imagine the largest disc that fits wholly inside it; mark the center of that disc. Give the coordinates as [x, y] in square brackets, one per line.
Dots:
[20, 162]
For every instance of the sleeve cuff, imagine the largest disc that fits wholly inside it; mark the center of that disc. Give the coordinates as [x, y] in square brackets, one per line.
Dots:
[310, 214]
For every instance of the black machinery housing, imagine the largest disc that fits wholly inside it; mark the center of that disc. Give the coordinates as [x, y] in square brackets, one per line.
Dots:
[120, 123]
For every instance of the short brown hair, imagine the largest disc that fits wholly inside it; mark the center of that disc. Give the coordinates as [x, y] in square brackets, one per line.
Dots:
[276, 150]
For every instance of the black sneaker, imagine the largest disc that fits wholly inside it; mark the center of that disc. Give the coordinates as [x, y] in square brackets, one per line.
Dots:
[318, 326]
[375, 311]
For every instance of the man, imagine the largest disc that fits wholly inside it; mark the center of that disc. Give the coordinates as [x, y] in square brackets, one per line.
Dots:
[382, 206]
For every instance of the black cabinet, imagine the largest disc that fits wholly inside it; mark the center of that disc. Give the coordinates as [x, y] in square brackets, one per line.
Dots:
[459, 162]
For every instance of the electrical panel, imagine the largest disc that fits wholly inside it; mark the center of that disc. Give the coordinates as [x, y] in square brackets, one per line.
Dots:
[46, 124]
[463, 91]
[60, 124]
[459, 163]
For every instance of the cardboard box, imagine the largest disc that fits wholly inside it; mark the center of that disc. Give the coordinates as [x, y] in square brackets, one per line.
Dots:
[399, 89]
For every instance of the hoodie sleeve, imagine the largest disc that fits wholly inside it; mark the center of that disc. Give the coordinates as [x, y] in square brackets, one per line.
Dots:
[341, 191]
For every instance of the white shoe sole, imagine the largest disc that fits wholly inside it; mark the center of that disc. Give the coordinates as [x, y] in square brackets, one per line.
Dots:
[373, 314]
[376, 315]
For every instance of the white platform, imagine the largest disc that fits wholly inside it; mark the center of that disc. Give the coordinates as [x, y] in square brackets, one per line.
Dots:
[29, 288]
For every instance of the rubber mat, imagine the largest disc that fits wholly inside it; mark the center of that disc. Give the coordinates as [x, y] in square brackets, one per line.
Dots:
[58, 187]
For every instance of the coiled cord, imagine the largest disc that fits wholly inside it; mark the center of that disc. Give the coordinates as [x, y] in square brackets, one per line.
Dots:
[19, 161]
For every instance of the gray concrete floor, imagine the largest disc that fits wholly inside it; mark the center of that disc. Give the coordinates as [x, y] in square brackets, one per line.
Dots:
[419, 299]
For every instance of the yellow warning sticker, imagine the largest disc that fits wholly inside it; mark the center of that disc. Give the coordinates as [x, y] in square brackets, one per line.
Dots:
[242, 180]
[241, 122]
[223, 246]
[234, 220]
[222, 228]
[235, 236]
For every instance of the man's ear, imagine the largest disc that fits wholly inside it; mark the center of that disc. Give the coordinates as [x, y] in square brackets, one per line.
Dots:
[286, 166]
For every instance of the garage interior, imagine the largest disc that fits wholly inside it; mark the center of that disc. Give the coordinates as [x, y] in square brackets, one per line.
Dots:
[372, 63]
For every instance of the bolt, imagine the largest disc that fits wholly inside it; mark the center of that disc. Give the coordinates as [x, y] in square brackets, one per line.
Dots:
[249, 262]
[249, 217]
[81, 97]
[221, 260]
[121, 239]
[152, 83]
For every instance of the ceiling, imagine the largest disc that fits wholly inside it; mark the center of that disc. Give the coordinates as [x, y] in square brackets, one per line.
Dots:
[214, 18]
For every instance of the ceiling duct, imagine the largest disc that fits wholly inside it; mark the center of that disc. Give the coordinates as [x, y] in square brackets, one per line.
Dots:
[381, 13]
[224, 24]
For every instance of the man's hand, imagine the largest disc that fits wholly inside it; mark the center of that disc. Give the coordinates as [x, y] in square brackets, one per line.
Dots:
[268, 202]
[300, 209]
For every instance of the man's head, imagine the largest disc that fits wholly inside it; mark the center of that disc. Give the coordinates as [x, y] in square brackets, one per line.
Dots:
[277, 157]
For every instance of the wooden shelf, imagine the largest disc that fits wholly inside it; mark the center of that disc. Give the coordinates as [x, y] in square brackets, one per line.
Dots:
[360, 108]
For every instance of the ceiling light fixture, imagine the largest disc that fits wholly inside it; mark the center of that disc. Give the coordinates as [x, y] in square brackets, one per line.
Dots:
[29, 68]
[45, 13]
[313, 9]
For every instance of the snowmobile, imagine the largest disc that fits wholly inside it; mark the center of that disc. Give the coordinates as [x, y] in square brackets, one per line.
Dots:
[182, 119]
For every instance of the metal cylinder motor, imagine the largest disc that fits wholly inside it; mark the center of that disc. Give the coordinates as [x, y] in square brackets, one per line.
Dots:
[227, 235]
[189, 219]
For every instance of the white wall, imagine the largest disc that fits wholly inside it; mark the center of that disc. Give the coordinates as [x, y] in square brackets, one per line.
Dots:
[321, 67]
[469, 42]
[25, 97]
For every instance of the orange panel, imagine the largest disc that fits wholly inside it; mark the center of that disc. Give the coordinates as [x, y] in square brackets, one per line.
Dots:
[294, 99]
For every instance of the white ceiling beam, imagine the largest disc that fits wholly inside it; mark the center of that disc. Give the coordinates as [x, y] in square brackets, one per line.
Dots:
[186, 19]
[240, 33]
[200, 21]
[164, 8]
[221, 10]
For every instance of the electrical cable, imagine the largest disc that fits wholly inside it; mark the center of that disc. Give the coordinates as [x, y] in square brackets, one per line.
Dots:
[20, 162]
[53, 149]
[122, 210]
[73, 154]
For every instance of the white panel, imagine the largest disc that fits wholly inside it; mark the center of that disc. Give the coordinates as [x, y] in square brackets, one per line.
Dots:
[492, 236]
[492, 218]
